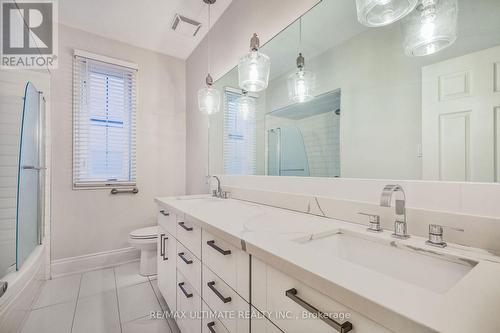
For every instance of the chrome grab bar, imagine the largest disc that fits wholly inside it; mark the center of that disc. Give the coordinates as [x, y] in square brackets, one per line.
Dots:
[342, 328]
[134, 190]
[32, 167]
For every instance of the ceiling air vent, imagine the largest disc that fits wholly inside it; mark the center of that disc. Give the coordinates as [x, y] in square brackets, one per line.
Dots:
[185, 25]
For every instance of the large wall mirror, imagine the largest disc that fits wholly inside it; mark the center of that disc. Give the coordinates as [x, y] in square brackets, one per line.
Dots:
[380, 108]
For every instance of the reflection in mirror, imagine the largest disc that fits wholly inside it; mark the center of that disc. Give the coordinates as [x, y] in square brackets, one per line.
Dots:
[380, 109]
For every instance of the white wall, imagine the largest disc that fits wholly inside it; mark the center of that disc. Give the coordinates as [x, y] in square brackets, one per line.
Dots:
[90, 221]
[230, 38]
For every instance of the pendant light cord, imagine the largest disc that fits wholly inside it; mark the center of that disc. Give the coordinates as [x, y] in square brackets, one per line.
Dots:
[300, 32]
[208, 38]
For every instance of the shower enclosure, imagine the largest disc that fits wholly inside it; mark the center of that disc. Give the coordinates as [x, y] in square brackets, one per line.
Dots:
[303, 139]
[22, 175]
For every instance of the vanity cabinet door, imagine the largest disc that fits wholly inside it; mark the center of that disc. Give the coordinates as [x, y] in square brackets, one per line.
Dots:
[260, 324]
[189, 234]
[188, 306]
[210, 322]
[167, 220]
[189, 266]
[223, 299]
[230, 263]
[167, 277]
[291, 301]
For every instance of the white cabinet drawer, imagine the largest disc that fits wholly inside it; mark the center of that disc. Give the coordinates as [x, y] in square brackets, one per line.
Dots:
[223, 299]
[210, 322]
[189, 234]
[287, 295]
[189, 266]
[167, 274]
[167, 221]
[230, 263]
[188, 306]
[260, 324]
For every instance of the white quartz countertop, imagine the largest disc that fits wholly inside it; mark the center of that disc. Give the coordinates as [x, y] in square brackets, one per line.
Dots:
[270, 233]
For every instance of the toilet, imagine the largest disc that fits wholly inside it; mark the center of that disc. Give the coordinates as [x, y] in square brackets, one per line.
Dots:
[144, 239]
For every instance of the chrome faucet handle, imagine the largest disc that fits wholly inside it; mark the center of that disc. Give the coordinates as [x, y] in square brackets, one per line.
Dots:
[436, 232]
[374, 222]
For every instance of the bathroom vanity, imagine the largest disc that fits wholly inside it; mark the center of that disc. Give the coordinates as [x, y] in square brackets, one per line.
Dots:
[266, 269]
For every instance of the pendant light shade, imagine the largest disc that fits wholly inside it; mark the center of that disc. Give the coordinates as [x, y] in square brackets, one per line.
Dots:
[209, 97]
[301, 83]
[377, 13]
[253, 68]
[246, 105]
[431, 28]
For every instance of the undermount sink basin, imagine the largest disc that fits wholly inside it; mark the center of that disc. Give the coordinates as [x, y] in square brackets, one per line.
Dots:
[418, 266]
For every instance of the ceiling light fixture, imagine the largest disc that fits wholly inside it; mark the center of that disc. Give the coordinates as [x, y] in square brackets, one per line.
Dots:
[377, 13]
[301, 83]
[253, 68]
[209, 97]
[431, 28]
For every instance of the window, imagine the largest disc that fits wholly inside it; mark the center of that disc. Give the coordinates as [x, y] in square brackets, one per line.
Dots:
[239, 137]
[104, 100]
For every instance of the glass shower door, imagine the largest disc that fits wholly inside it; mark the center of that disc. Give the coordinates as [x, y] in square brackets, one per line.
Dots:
[28, 192]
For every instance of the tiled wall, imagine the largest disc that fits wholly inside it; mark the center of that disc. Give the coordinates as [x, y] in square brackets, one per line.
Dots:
[321, 135]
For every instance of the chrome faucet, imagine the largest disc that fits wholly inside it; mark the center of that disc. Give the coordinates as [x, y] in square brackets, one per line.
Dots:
[218, 192]
[400, 225]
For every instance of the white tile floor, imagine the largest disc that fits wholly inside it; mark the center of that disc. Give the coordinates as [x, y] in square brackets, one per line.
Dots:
[102, 301]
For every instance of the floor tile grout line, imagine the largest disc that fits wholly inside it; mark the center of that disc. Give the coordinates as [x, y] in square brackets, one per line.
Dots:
[158, 300]
[117, 301]
[76, 303]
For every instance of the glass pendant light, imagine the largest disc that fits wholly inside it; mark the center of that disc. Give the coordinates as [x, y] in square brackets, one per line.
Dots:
[253, 68]
[301, 83]
[432, 27]
[377, 13]
[209, 97]
[246, 105]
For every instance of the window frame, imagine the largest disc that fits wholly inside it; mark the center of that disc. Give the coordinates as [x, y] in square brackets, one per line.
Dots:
[77, 184]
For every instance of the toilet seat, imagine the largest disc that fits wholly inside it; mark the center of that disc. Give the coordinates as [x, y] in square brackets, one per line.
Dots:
[145, 233]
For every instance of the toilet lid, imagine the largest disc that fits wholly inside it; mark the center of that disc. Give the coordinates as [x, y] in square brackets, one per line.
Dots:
[145, 233]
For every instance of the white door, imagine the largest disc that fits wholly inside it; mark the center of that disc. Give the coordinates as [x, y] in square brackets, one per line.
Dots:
[461, 118]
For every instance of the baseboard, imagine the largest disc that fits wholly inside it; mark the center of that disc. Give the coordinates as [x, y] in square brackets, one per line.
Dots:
[89, 262]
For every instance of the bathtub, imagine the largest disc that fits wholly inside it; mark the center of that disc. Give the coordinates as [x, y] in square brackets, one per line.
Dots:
[24, 286]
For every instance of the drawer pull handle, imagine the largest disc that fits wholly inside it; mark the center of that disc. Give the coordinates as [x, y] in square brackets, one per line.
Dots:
[164, 213]
[188, 295]
[211, 285]
[162, 246]
[187, 261]
[183, 225]
[211, 243]
[210, 326]
[342, 328]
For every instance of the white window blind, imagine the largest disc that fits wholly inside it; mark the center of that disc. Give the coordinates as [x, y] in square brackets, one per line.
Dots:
[239, 137]
[104, 100]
